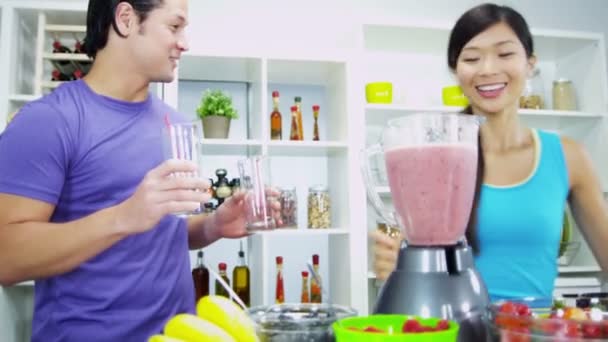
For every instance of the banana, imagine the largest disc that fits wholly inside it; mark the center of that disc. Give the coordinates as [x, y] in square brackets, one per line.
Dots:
[191, 328]
[226, 314]
[163, 338]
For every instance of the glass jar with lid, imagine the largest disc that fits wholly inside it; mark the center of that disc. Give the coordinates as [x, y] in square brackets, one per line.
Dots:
[289, 207]
[533, 94]
[319, 207]
[563, 95]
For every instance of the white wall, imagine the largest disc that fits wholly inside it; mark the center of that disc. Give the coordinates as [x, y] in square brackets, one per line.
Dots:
[313, 25]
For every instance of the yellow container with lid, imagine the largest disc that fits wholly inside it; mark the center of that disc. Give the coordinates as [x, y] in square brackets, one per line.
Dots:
[379, 92]
[453, 96]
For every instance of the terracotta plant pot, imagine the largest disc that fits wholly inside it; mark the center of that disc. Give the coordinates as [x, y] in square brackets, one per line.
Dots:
[216, 127]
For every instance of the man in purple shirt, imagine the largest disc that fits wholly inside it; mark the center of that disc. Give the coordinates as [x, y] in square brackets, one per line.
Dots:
[85, 199]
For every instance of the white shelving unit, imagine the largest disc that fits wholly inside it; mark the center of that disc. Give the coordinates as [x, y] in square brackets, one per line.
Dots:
[418, 52]
[298, 164]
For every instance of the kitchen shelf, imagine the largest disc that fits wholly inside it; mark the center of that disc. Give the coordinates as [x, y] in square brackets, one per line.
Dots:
[29, 283]
[378, 114]
[51, 84]
[579, 269]
[23, 97]
[81, 57]
[304, 232]
[230, 147]
[306, 148]
[66, 28]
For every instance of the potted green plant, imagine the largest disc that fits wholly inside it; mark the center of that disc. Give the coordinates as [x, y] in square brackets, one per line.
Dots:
[216, 111]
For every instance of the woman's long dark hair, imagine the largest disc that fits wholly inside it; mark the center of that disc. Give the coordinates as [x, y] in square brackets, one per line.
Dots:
[470, 24]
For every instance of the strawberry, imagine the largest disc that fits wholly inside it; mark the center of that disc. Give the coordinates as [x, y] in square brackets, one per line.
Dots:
[373, 329]
[443, 325]
[411, 325]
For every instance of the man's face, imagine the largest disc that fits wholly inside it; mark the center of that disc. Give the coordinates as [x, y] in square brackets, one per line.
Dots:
[159, 41]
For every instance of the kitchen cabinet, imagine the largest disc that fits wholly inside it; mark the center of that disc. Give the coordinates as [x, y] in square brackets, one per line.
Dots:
[418, 52]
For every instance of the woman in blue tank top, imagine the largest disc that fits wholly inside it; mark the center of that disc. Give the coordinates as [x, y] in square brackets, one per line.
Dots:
[525, 177]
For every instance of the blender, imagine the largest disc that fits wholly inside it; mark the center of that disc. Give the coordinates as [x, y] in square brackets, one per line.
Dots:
[431, 163]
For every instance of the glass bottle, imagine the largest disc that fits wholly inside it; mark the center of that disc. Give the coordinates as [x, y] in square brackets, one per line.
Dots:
[241, 278]
[305, 298]
[315, 286]
[200, 276]
[280, 290]
[315, 113]
[533, 94]
[319, 207]
[294, 133]
[219, 289]
[289, 208]
[276, 125]
[298, 101]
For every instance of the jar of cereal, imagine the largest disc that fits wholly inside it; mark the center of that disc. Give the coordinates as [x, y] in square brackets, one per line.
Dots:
[319, 207]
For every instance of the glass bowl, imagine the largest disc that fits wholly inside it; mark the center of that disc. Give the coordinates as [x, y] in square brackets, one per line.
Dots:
[542, 320]
[298, 322]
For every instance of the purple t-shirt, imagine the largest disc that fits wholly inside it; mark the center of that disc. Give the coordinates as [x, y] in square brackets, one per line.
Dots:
[83, 152]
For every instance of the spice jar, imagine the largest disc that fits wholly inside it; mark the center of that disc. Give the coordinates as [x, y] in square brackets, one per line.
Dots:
[563, 95]
[532, 96]
[319, 207]
[390, 231]
[289, 208]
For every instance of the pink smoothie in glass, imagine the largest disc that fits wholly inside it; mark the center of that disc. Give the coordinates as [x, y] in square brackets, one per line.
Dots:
[432, 188]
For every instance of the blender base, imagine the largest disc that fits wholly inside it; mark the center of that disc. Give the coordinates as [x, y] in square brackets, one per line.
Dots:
[438, 282]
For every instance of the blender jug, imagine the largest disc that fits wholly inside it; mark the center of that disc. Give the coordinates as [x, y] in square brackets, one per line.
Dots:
[431, 164]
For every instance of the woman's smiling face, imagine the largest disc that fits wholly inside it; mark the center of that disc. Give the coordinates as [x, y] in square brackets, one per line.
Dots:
[492, 69]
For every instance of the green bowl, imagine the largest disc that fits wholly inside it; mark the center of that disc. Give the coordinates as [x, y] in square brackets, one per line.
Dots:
[379, 92]
[391, 323]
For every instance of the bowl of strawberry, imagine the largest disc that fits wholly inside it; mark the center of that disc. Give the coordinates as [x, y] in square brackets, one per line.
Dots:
[395, 328]
[526, 321]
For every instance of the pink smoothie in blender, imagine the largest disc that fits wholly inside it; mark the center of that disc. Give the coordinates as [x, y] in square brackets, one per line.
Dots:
[432, 187]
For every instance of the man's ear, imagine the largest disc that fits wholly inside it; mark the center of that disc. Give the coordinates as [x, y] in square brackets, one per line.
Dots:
[125, 18]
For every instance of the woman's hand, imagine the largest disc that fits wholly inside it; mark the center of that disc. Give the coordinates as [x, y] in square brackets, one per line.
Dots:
[386, 251]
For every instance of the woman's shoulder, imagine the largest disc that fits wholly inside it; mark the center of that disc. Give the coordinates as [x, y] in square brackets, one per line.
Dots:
[577, 158]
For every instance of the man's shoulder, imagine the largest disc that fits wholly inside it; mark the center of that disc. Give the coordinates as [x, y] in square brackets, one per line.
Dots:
[61, 103]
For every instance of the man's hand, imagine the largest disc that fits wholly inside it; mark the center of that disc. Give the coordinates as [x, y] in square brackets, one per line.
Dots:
[230, 219]
[161, 193]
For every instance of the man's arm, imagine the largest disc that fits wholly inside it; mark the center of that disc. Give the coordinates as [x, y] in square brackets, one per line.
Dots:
[32, 248]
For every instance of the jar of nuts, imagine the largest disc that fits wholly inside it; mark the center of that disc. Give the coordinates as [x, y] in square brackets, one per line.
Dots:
[319, 207]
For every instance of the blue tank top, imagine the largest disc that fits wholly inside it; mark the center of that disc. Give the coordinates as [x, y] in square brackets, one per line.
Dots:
[520, 225]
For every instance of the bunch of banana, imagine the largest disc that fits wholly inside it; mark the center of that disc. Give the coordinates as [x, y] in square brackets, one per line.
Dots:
[217, 319]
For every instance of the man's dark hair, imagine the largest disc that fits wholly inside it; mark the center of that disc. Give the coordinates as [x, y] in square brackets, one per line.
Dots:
[101, 16]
